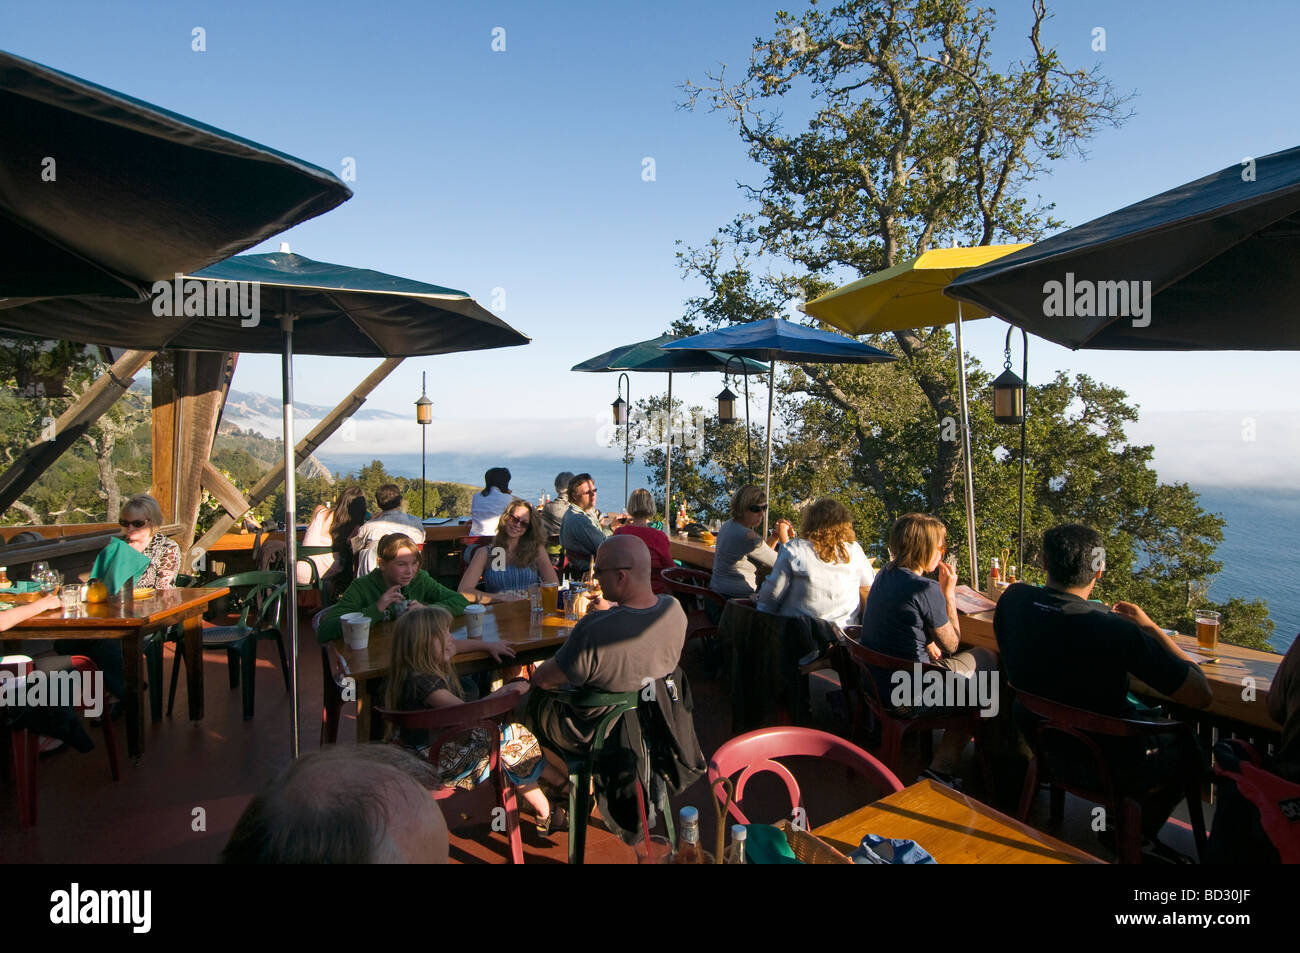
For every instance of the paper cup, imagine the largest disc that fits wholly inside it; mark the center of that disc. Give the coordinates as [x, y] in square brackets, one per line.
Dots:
[356, 629]
[474, 621]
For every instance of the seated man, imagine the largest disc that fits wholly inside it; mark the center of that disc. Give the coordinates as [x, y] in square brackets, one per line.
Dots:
[391, 519]
[612, 650]
[583, 528]
[1284, 707]
[1058, 645]
[351, 804]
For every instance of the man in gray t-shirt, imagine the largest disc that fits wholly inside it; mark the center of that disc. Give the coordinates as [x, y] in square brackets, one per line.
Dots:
[619, 649]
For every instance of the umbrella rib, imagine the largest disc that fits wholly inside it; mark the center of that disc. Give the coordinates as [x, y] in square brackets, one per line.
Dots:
[367, 335]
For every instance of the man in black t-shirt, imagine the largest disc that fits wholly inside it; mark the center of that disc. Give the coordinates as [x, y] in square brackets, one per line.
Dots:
[1056, 644]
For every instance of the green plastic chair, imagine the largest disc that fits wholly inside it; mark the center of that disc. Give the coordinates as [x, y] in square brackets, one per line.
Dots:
[581, 768]
[153, 654]
[264, 592]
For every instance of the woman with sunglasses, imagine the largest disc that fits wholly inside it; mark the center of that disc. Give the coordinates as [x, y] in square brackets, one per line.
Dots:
[140, 519]
[740, 551]
[503, 570]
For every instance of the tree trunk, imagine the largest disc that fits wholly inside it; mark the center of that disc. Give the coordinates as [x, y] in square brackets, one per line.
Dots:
[109, 489]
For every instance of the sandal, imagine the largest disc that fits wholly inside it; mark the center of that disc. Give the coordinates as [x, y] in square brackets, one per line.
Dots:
[557, 820]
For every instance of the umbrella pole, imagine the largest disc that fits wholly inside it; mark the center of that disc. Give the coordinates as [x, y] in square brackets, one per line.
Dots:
[290, 523]
[1024, 376]
[668, 462]
[970, 472]
[767, 480]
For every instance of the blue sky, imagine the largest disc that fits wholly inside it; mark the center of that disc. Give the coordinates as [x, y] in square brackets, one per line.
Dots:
[521, 170]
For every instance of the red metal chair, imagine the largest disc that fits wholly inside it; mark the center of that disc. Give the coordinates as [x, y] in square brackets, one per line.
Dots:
[487, 714]
[752, 753]
[694, 585]
[1082, 726]
[24, 746]
[854, 662]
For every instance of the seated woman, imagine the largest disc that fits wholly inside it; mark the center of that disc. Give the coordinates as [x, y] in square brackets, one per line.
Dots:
[422, 676]
[348, 515]
[398, 584]
[641, 508]
[487, 506]
[140, 518]
[740, 551]
[911, 617]
[514, 560]
[824, 574]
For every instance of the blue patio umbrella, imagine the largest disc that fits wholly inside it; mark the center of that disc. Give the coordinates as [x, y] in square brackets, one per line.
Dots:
[102, 193]
[776, 339]
[648, 356]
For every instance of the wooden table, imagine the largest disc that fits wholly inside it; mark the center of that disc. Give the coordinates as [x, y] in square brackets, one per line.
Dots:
[1225, 676]
[508, 622]
[104, 621]
[952, 827]
[691, 551]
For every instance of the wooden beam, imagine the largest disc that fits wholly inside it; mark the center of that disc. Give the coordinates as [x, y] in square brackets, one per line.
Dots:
[71, 424]
[227, 494]
[164, 425]
[271, 481]
[202, 395]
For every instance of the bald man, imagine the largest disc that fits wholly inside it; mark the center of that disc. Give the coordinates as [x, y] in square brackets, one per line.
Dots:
[353, 804]
[619, 649]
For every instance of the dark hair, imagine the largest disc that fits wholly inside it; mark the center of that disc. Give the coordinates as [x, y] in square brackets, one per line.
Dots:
[349, 513]
[389, 496]
[310, 814]
[1072, 554]
[576, 482]
[498, 477]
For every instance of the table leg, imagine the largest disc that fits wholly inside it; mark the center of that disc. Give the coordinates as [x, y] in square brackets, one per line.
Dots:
[363, 715]
[193, 644]
[131, 704]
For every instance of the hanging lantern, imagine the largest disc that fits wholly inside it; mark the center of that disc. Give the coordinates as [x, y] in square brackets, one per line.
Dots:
[619, 407]
[1008, 397]
[726, 406]
[424, 410]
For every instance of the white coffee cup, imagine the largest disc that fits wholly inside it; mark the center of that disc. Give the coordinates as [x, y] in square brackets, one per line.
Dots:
[356, 629]
[474, 621]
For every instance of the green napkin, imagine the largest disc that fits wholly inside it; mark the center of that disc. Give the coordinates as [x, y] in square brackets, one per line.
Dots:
[118, 564]
[765, 844]
[21, 585]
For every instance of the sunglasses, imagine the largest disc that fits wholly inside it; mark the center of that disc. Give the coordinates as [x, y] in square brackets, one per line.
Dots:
[133, 524]
[517, 521]
[761, 508]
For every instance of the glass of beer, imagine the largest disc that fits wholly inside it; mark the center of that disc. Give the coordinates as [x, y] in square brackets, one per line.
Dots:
[549, 591]
[1207, 629]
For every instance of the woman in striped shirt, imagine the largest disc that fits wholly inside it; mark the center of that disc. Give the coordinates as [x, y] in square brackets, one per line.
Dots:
[516, 558]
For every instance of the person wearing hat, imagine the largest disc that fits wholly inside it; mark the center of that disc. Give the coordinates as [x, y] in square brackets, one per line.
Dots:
[488, 505]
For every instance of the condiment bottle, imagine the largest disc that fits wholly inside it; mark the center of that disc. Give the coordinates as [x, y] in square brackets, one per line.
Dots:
[688, 844]
[4, 578]
[995, 575]
[736, 851]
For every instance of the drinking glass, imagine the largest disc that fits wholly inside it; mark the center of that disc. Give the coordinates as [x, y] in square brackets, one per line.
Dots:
[535, 599]
[1207, 629]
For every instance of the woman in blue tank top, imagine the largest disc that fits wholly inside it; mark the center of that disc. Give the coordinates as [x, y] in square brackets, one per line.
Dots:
[516, 558]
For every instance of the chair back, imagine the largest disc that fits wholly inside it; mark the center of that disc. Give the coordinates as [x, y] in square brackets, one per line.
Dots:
[487, 713]
[254, 593]
[694, 582]
[1075, 721]
[865, 659]
[618, 703]
[753, 753]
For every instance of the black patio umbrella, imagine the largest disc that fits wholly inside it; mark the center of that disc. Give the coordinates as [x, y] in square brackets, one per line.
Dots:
[101, 193]
[294, 302]
[1210, 265]
[646, 356]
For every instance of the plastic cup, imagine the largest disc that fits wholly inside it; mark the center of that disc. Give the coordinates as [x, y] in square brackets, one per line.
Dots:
[474, 621]
[1207, 629]
[70, 597]
[660, 852]
[550, 591]
[356, 629]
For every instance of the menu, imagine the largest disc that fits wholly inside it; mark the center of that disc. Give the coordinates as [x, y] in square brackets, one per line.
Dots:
[969, 601]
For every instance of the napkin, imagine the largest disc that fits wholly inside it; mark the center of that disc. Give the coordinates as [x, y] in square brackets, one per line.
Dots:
[875, 849]
[117, 564]
[765, 844]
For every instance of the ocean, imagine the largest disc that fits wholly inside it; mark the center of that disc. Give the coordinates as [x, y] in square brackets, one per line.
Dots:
[1260, 560]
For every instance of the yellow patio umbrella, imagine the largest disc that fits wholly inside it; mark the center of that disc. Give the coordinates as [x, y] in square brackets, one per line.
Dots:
[910, 295]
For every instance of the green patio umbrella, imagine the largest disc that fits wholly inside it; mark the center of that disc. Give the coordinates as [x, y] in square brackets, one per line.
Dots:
[313, 306]
[647, 357]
